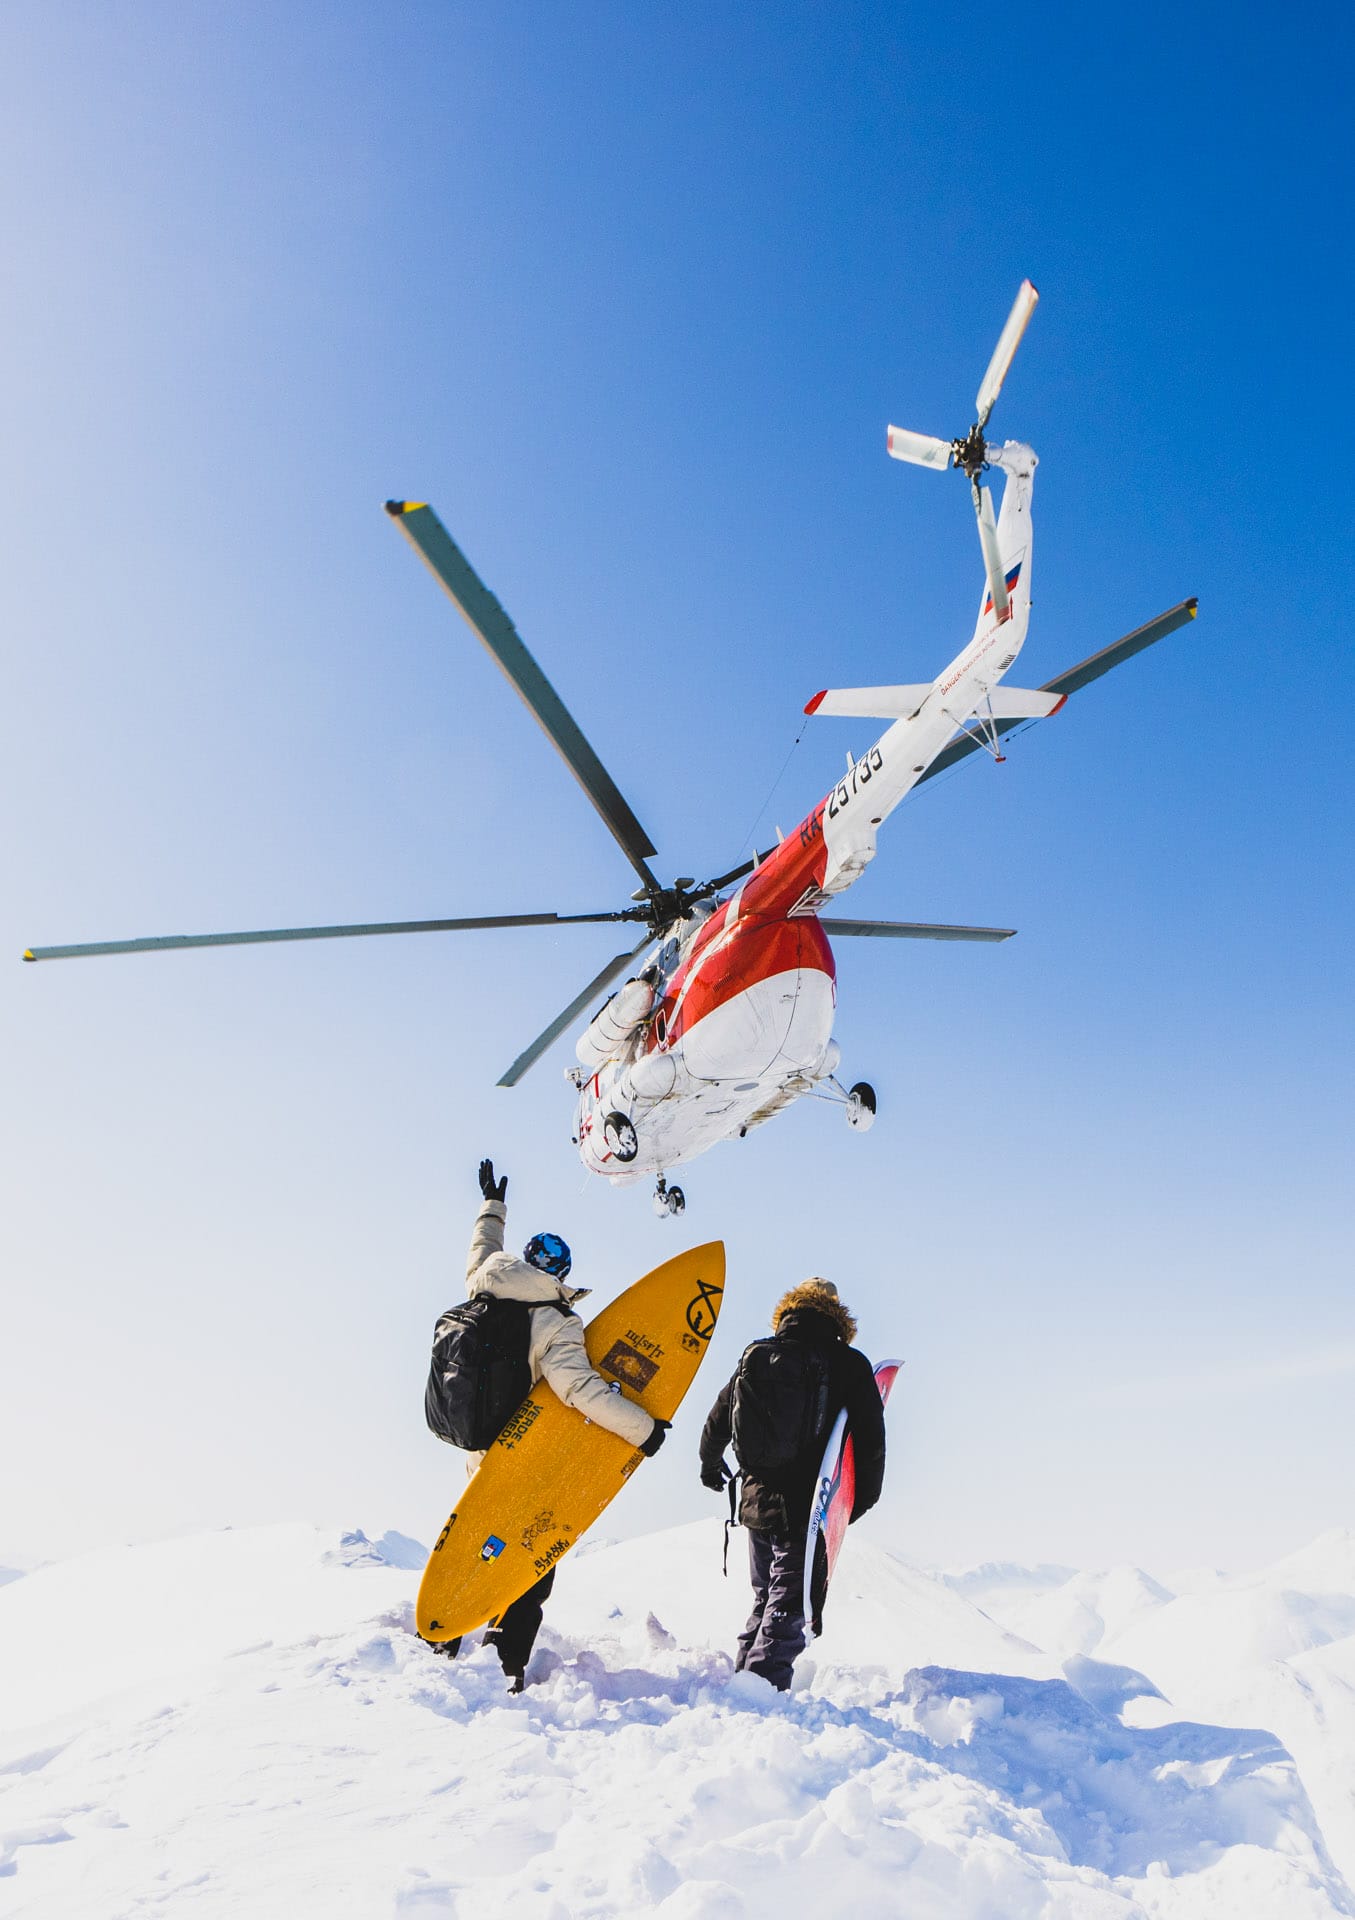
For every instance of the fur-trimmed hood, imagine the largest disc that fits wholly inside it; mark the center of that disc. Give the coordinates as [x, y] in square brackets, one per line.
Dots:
[815, 1296]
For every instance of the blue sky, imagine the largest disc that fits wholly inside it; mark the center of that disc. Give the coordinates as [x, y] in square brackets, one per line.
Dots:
[631, 299]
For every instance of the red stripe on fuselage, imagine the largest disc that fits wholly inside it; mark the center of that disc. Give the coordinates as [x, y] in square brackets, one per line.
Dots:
[750, 938]
[727, 962]
[788, 873]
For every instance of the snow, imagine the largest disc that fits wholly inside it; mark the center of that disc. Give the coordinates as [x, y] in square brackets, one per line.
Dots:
[1273, 1648]
[244, 1723]
[1085, 1610]
[13, 1566]
[102, 1624]
[996, 1579]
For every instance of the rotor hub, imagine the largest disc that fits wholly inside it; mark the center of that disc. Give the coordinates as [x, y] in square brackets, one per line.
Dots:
[665, 905]
[971, 453]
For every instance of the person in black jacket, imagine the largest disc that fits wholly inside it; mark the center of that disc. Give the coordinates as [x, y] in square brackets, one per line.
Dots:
[777, 1516]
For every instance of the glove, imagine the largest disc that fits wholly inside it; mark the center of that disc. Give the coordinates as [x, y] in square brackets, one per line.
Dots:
[491, 1188]
[716, 1477]
[656, 1439]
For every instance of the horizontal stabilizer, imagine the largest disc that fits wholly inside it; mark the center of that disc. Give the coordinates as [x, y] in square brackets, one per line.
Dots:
[1076, 678]
[1023, 703]
[869, 703]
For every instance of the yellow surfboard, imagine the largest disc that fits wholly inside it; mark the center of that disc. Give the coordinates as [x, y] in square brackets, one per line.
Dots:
[551, 1471]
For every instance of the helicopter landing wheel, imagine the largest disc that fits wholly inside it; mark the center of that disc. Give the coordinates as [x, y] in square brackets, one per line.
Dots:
[669, 1200]
[620, 1136]
[861, 1106]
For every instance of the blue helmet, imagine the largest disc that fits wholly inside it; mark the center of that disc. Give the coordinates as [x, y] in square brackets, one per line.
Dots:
[548, 1253]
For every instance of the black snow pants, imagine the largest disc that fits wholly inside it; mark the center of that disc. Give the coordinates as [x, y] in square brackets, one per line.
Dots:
[775, 1632]
[515, 1635]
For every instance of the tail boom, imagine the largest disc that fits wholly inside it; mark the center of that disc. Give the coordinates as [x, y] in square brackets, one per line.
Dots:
[850, 817]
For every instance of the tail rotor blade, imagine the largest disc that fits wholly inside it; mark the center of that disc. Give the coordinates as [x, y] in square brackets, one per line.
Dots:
[922, 449]
[1005, 351]
[992, 557]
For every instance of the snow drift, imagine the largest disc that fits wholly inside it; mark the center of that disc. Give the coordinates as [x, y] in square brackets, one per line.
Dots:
[244, 1723]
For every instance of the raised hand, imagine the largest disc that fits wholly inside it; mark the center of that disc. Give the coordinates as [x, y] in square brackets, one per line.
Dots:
[491, 1188]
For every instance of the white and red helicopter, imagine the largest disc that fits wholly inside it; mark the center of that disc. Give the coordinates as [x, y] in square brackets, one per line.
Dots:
[728, 1017]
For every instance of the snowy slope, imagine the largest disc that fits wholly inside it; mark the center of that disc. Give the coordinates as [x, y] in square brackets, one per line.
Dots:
[13, 1566]
[1082, 1612]
[886, 1616]
[77, 1632]
[243, 1723]
[996, 1581]
[1274, 1649]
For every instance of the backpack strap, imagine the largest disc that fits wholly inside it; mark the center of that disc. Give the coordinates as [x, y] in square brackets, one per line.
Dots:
[733, 1519]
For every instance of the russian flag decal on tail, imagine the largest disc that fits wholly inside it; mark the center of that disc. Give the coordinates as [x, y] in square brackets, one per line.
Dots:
[1012, 579]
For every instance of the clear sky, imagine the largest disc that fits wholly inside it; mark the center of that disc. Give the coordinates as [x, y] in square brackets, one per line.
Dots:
[630, 295]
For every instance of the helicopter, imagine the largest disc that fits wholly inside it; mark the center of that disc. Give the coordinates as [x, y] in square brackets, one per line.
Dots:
[725, 1017]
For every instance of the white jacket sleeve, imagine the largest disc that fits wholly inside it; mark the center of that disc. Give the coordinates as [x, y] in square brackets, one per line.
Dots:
[486, 1236]
[564, 1364]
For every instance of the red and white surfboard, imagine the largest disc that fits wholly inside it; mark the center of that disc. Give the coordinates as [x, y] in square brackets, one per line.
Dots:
[833, 1502]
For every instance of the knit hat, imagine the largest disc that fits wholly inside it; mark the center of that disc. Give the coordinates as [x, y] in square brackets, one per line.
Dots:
[549, 1254]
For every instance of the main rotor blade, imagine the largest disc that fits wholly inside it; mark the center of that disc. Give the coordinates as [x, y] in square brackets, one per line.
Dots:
[1005, 350]
[571, 1013]
[168, 942]
[1096, 664]
[1076, 678]
[912, 930]
[490, 624]
[735, 873]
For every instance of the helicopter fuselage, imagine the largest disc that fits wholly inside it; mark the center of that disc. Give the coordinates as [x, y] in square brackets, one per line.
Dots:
[740, 1020]
[741, 1025]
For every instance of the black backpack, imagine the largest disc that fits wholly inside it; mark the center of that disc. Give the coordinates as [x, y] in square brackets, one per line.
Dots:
[480, 1372]
[779, 1409]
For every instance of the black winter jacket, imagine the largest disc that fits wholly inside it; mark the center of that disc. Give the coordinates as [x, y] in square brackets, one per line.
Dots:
[783, 1513]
